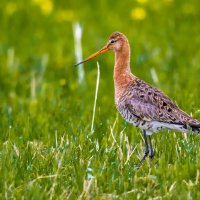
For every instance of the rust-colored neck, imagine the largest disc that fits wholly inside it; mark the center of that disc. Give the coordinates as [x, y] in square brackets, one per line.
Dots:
[122, 61]
[122, 71]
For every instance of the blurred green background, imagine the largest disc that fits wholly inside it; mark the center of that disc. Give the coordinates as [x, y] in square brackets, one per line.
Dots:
[46, 148]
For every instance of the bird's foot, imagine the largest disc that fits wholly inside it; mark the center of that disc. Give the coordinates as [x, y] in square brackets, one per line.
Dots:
[148, 150]
[145, 155]
[143, 159]
[151, 155]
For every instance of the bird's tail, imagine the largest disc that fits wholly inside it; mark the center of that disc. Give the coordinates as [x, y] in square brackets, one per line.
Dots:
[195, 128]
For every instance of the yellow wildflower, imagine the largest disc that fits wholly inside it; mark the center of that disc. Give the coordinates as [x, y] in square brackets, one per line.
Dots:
[46, 6]
[138, 13]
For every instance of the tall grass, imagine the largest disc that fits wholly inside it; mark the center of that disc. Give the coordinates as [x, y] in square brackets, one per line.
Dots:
[95, 98]
[48, 111]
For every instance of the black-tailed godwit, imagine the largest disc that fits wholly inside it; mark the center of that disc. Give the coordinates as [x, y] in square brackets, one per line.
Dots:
[140, 103]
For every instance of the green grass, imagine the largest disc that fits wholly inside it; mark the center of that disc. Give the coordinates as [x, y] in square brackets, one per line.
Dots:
[47, 150]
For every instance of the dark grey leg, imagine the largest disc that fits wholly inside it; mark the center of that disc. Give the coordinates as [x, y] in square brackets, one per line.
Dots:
[151, 148]
[146, 146]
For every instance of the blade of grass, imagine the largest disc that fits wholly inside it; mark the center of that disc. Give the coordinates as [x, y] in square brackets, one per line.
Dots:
[95, 98]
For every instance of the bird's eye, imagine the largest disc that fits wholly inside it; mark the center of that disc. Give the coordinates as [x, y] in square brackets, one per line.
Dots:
[112, 41]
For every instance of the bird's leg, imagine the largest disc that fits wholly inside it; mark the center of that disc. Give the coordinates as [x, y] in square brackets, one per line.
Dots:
[151, 155]
[146, 146]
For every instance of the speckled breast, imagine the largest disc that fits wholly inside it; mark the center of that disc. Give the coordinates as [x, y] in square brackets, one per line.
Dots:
[128, 116]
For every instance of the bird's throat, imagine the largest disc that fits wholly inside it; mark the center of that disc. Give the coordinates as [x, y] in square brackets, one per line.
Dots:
[122, 62]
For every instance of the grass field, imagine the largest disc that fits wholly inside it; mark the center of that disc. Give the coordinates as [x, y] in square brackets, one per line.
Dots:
[47, 149]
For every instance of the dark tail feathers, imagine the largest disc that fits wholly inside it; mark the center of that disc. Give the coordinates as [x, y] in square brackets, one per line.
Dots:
[195, 128]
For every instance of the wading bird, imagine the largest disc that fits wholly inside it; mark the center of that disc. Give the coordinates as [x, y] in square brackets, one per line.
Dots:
[139, 103]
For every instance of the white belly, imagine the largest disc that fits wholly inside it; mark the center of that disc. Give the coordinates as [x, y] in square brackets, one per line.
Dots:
[150, 126]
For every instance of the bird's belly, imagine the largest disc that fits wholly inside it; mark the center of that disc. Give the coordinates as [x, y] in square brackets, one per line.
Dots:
[149, 126]
[157, 126]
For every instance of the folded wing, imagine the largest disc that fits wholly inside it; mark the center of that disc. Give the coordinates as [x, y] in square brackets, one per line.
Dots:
[150, 104]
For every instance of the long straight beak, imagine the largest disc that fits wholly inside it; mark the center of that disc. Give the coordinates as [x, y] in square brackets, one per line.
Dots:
[103, 50]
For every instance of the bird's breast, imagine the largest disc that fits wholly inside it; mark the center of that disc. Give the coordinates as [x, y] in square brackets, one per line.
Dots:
[121, 84]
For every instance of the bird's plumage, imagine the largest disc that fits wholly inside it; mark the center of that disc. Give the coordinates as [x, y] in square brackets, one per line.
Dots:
[150, 106]
[140, 103]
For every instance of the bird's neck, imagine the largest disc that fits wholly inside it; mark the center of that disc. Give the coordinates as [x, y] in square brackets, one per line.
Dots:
[122, 63]
[122, 72]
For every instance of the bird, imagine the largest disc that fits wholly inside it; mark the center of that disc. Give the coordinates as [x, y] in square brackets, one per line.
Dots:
[138, 102]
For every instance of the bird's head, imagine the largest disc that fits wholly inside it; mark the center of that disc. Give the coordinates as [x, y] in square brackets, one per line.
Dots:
[115, 42]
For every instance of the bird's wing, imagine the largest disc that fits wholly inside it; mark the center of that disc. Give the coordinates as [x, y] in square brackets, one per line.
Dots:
[150, 104]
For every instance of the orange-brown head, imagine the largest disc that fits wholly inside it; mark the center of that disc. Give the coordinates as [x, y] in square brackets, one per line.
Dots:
[115, 42]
